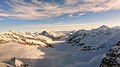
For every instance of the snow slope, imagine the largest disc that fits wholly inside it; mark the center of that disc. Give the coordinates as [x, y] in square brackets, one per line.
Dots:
[62, 55]
[10, 50]
[95, 39]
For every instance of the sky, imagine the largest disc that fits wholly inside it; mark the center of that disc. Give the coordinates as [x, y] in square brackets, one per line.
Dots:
[58, 15]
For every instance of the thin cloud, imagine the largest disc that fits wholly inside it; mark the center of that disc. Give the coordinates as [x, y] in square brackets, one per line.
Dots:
[36, 10]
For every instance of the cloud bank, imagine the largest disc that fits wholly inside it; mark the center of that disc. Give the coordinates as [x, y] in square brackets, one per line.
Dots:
[39, 9]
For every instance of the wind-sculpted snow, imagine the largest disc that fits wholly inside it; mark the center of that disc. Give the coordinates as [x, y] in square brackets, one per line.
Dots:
[95, 39]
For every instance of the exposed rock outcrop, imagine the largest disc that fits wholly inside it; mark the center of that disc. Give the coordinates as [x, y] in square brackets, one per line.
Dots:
[16, 63]
[112, 58]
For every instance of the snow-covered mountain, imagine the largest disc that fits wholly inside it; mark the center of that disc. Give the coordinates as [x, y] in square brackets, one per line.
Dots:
[116, 27]
[31, 38]
[95, 39]
[25, 38]
[84, 48]
[53, 35]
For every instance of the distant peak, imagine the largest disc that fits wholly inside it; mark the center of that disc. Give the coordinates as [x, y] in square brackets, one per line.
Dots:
[116, 27]
[104, 27]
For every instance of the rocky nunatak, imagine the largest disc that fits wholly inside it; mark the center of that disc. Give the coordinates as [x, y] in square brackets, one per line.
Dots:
[14, 62]
[112, 58]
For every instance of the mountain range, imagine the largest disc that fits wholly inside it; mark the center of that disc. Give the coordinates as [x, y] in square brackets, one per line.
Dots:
[83, 48]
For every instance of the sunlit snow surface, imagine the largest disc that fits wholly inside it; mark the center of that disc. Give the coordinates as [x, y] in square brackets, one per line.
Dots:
[63, 54]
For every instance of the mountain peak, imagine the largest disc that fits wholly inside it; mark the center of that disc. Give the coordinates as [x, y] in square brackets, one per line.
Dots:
[103, 27]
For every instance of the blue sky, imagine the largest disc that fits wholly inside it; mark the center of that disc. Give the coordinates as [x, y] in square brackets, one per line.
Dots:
[37, 15]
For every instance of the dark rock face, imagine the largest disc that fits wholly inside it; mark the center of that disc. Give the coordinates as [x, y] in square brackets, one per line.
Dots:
[112, 58]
